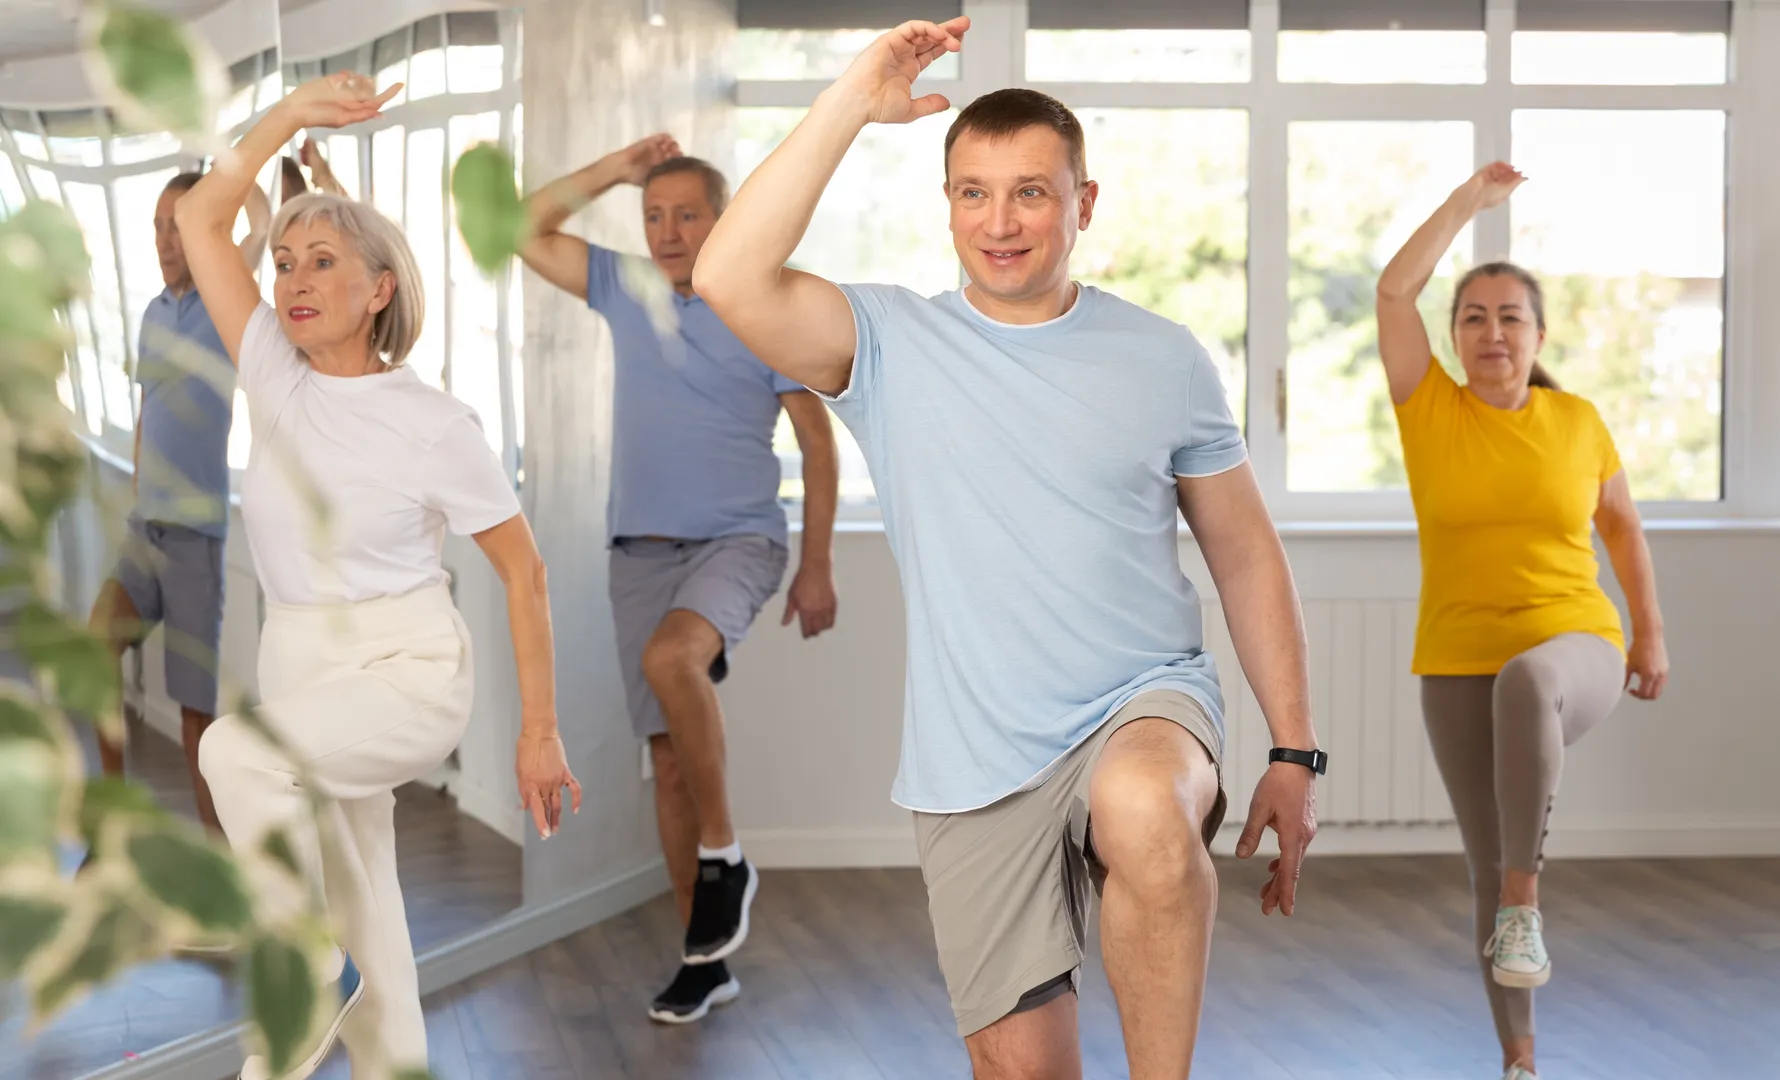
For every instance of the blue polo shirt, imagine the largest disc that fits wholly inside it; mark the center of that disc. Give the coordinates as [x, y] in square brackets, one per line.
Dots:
[188, 393]
[693, 412]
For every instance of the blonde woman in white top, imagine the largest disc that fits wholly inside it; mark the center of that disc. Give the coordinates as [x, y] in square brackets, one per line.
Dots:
[357, 469]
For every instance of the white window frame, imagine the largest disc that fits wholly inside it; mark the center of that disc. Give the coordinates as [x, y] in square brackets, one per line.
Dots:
[995, 57]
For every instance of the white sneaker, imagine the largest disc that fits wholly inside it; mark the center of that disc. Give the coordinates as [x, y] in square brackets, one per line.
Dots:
[1517, 1072]
[351, 989]
[1517, 949]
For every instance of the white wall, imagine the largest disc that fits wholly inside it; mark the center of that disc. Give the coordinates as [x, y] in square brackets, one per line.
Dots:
[815, 726]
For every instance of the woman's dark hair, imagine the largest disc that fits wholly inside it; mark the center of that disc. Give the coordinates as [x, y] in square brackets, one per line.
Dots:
[1535, 296]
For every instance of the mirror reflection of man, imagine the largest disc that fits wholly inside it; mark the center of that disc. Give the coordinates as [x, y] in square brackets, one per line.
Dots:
[170, 571]
[698, 539]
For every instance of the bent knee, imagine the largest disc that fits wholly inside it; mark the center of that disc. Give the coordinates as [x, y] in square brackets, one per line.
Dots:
[679, 648]
[220, 750]
[1527, 682]
[1148, 823]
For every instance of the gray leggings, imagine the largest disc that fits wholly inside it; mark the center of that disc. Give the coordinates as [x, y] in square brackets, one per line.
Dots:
[1499, 741]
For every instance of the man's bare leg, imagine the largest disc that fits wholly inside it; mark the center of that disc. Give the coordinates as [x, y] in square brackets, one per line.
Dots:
[194, 724]
[676, 820]
[1152, 789]
[115, 620]
[1040, 1044]
[677, 662]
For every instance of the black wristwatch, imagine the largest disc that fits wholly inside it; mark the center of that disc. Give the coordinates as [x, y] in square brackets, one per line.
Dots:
[1314, 760]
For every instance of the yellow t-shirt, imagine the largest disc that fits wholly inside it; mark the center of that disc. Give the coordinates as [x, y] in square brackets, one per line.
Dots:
[1505, 502]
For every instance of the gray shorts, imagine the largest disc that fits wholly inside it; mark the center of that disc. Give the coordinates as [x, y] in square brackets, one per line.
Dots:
[726, 581]
[1008, 886]
[174, 576]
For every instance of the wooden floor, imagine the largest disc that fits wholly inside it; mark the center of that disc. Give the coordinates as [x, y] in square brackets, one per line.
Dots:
[457, 875]
[1665, 970]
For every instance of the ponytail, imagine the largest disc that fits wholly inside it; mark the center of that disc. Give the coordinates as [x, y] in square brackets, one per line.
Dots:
[1541, 378]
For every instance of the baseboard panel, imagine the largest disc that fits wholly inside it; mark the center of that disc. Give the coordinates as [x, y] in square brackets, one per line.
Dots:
[823, 849]
[216, 1053]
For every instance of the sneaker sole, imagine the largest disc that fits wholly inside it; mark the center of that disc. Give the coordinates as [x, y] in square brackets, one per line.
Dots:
[309, 1064]
[723, 995]
[728, 948]
[1521, 980]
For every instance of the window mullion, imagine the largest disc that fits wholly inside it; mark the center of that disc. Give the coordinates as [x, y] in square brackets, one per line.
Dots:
[1269, 269]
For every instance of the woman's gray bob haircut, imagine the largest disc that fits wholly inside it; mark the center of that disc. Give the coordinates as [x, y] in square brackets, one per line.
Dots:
[380, 243]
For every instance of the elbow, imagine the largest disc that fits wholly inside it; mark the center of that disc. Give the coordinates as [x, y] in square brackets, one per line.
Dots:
[707, 281]
[1392, 290]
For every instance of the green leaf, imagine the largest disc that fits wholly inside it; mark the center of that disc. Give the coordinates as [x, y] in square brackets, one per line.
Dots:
[154, 72]
[30, 798]
[281, 999]
[189, 875]
[84, 670]
[25, 927]
[490, 216]
[21, 719]
[120, 936]
[43, 241]
[111, 797]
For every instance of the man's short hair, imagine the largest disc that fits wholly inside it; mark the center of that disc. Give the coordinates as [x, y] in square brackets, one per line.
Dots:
[1003, 113]
[183, 183]
[716, 187]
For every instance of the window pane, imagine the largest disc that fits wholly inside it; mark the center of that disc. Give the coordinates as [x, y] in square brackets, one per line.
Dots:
[387, 148]
[390, 57]
[1634, 315]
[1180, 249]
[237, 108]
[136, 198]
[87, 203]
[426, 70]
[44, 183]
[135, 149]
[815, 54]
[1189, 56]
[86, 366]
[473, 55]
[1356, 190]
[883, 218]
[425, 226]
[342, 156]
[23, 126]
[475, 303]
[1381, 56]
[1556, 57]
[12, 193]
[73, 137]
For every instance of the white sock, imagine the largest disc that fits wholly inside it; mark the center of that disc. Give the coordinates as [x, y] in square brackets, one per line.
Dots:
[731, 854]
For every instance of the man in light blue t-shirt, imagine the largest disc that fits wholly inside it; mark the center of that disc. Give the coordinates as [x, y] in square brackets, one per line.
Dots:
[1032, 441]
[698, 538]
[170, 571]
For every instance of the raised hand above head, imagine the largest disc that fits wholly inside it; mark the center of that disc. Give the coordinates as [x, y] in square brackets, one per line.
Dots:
[1493, 183]
[645, 154]
[884, 74]
[337, 100]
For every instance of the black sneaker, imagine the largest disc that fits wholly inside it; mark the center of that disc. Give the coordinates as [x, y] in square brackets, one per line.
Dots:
[720, 900]
[695, 989]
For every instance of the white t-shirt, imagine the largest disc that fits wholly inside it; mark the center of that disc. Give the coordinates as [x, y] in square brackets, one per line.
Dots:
[352, 481]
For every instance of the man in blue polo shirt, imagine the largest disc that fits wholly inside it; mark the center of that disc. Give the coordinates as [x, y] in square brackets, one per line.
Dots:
[170, 572]
[698, 538]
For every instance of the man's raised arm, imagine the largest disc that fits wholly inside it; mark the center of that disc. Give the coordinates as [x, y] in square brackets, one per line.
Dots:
[798, 324]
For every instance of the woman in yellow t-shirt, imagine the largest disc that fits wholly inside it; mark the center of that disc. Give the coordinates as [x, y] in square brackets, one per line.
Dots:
[1519, 650]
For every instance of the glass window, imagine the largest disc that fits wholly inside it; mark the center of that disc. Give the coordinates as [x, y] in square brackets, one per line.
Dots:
[390, 57]
[473, 54]
[137, 197]
[1180, 249]
[1630, 250]
[25, 135]
[87, 203]
[1381, 56]
[387, 151]
[426, 69]
[134, 149]
[1188, 56]
[425, 225]
[815, 54]
[1356, 190]
[43, 182]
[86, 366]
[475, 303]
[883, 218]
[74, 137]
[342, 155]
[12, 193]
[1562, 57]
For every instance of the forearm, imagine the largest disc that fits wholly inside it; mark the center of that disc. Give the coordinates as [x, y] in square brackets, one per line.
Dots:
[215, 200]
[821, 494]
[534, 652]
[1630, 555]
[1261, 608]
[554, 203]
[770, 214]
[259, 222]
[1408, 272]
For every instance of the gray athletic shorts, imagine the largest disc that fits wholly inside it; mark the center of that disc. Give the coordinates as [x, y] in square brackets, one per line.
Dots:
[1008, 886]
[174, 576]
[726, 581]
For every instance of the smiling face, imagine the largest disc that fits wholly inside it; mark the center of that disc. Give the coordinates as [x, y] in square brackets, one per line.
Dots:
[1017, 206]
[326, 294]
[1496, 330]
[677, 218]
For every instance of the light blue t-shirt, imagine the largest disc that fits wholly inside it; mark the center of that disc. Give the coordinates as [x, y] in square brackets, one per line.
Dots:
[1026, 476]
[693, 414]
[188, 395]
